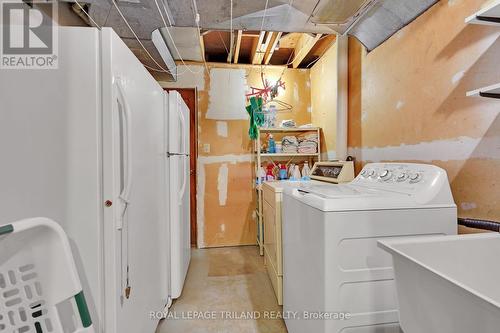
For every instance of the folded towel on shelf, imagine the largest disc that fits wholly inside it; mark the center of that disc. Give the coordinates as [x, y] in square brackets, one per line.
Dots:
[308, 143]
[289, 123]
[290, 145]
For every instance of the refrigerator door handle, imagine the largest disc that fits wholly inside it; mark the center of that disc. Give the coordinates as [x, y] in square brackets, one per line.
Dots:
[127, 141]
[183, 149]
[184, 181]
[183, 128]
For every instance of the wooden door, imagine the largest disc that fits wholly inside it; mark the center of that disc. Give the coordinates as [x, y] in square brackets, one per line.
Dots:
[189, 96]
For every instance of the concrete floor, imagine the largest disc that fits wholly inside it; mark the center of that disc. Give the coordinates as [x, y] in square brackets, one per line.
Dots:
[227, 282]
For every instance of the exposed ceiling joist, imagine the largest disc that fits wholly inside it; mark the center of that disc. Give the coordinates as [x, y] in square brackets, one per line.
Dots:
[238, 46]
[256, 48]
[263, 48]
[202, 47]
[304, 45]
[272, 47]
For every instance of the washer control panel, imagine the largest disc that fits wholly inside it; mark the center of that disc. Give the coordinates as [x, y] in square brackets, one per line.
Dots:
[407, 178]
[395, 173]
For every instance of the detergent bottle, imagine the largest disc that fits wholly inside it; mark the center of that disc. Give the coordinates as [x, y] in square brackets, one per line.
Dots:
[283, 172]
[270, 175]
[306, 172]
[271, 145]
[261, 175]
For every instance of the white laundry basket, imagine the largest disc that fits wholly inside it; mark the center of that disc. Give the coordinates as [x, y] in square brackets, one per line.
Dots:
[40, 291]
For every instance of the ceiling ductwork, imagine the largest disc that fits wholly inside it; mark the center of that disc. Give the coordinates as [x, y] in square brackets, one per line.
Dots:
[340, 15]
[385, 18]
[370, 21]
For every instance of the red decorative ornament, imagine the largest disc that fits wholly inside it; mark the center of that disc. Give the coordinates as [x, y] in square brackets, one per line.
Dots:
[269, 91]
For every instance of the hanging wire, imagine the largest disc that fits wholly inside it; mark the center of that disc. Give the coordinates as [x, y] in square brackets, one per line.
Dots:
[88, 15]
[197, 21]
[172, 39]
[137, 38]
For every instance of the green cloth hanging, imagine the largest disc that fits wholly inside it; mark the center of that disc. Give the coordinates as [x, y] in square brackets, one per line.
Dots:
[256, 116]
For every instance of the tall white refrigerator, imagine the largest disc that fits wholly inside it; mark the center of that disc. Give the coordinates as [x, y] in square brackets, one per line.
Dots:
[85, 145]
[178, 171]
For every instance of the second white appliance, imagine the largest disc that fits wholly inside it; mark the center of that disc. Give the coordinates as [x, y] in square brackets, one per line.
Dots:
[332, 267]
[178, 173]
[83, 145]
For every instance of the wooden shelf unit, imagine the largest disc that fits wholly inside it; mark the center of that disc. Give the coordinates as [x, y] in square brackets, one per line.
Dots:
[489, 15]
[259, 157]
[490, 92]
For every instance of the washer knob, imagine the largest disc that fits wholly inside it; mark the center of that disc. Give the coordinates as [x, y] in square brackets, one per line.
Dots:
[385, 175]
[364, 173]
[415, 178]
[402, 177]
[371, 173]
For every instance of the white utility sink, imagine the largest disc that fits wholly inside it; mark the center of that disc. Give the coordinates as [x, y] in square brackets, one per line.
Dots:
[448, 284]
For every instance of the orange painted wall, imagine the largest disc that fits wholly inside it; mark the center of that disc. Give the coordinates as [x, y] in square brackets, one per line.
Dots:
[232, 222]
[408, 95]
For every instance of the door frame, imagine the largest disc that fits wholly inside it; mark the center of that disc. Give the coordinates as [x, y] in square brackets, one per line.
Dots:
[193, 161]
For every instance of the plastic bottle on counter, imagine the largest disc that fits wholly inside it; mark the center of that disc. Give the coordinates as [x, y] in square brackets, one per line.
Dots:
[261, 175]
[290, 170]
[283, 172]
[306, 172]
[296, 173]
[270, 175]
[271, 145]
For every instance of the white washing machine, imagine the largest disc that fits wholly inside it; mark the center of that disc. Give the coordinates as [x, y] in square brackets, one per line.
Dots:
[332, 267]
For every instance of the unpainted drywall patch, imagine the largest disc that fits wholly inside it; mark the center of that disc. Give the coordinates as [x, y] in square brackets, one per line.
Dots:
[227, 94]
[222, 128]
[193, 79]
[458, 149]
[457, 77]
[364, 116]
[200, 204]
[200, 187]
[222, 184]
[468, 205]
[231, 158]
[399, 105]
[295, 91]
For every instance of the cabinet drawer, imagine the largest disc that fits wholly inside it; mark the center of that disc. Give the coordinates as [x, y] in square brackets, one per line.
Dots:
[269, 196]
[270, 237]
[276, 281]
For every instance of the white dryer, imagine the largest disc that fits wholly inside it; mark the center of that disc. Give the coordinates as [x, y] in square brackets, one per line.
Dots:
[332, 267]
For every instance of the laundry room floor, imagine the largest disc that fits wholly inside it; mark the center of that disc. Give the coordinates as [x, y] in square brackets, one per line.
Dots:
[228, 283]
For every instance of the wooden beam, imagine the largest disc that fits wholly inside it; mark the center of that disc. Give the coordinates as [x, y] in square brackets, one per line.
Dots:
[238, 46]
[256, 48]
[262, 50]
[202, 48]
[304, 46]
[272, 47]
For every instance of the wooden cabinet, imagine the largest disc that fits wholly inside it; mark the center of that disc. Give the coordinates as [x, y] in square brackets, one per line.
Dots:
[271, 213]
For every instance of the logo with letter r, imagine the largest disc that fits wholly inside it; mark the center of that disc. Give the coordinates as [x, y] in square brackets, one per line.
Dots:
[29, 34]
[26, 30]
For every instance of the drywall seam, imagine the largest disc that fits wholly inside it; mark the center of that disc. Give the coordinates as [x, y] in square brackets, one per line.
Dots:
[200, 211]
[458, 149]
[227, 100]
[231, 158]
[222, 128]
[222, 184]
